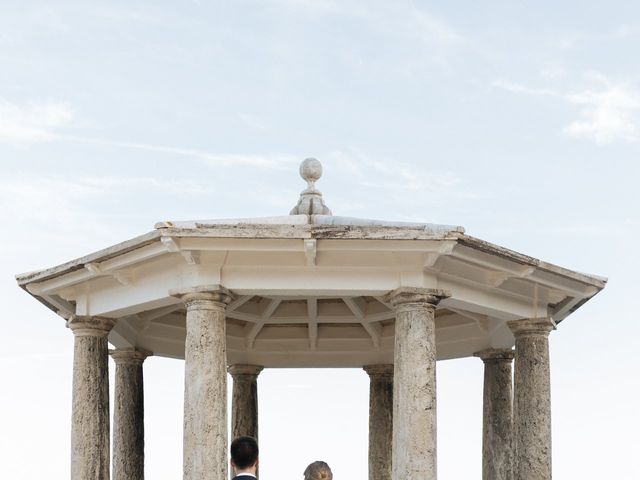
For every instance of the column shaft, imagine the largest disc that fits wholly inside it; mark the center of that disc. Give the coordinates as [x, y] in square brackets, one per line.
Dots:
[205, 391]
[414, 394]
[90, 410]
[244, 401]
[128, 415]
[532, 399]
[497, 424]
[380, 421]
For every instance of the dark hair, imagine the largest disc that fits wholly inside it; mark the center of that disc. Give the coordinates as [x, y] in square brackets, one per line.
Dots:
[244, 452]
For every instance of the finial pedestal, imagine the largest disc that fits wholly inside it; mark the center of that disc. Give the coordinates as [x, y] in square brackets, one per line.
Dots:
[311, 202]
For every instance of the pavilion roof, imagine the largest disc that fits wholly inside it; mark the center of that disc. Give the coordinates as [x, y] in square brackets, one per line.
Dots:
[306, 227]
[293, 274]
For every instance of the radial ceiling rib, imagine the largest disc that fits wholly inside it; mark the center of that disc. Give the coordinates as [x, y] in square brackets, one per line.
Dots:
[312, 313]
[381, 300]
[245, 317]
[238, 302]
[60, 303]
[160, 312]
[255, 329]
[357, 306]
[379, 317]
[375, 332]
[481, 320]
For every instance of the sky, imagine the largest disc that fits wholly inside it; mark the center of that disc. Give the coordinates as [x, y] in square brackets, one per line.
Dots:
[518, 120]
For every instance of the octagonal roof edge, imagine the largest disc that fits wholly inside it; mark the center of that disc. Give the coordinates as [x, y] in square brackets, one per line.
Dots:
[239, 230]
[308, 231]
[311, 220]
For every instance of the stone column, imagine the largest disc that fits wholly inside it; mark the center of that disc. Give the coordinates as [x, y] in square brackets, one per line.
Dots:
[414, 387]
[380, 420]
[90, 411]
[497, 421]
[205, 383]
[532, 399]
[128, 414]
[244, 402]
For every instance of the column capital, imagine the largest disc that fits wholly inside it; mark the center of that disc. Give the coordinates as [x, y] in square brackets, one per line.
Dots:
[531, 326]
[377, 371]
[407, 295]
[240, 369]
[86, 326]
[129, 356]
[205, 297]
[496, 354]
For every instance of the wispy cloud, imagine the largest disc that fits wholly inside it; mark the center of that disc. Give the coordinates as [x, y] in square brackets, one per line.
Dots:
[518, 88]
[576, 39]
[608, 113]
[51, 198]
[70, 211]
[609, 110]
[32, 122]
[425, 23]
[402, 18]
[626, 30]
[374, 183]
[391, 174]
[276, 161]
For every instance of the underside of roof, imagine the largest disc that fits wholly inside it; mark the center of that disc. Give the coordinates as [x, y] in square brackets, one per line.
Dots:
[309, 288]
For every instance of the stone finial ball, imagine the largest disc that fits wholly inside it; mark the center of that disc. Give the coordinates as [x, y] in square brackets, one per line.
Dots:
[311, 169]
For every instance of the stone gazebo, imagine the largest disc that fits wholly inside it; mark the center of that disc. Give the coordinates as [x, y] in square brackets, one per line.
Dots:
[311, 290]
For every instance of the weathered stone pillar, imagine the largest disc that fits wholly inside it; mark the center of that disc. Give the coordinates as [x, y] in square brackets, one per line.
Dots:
[205, 383]
[497, 421]
[244, 401]
[90, 411]
[380, 420]
[128, 414]
[532, 399]
[414, 386]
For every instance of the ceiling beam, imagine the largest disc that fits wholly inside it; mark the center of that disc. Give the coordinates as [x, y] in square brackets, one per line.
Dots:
[481, 320]
[375, 332]
[245, 317]
[108, 267]
[564, 307]
[64, 307]
[497, 278]
[255, 329]
[386, 304]
[358, 309]
[312, 314]
[238, 302]
[466, 257]
[159, 312]
[380, 317]
[431, 258]
[501, 273]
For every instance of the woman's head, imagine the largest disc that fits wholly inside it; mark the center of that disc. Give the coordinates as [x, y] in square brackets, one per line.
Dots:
[318, 471]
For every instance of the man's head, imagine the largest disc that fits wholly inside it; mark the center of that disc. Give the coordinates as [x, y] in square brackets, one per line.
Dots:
[244, 454]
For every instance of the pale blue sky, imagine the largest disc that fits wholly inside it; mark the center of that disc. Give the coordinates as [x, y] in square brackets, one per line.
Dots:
[520, 122]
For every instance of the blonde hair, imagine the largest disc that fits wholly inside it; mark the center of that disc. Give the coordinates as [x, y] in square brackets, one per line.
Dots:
[318, 471]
